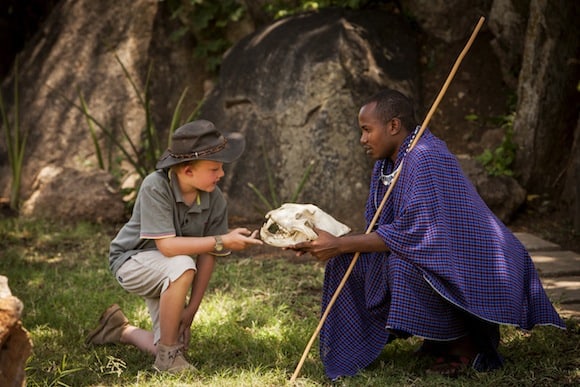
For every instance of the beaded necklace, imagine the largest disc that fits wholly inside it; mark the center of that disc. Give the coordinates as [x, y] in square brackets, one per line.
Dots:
[388, 179]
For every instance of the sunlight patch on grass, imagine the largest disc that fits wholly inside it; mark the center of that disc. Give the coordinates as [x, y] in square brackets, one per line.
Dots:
[45, 332]
[254, 316]
[139, 315]
[111, 365]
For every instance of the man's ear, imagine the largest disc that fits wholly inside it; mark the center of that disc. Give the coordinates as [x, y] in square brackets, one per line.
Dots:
[396, 126]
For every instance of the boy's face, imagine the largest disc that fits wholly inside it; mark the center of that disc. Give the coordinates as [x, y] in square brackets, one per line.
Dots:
[203, 175]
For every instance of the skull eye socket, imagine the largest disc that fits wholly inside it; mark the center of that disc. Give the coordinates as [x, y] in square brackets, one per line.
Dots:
[274, 228]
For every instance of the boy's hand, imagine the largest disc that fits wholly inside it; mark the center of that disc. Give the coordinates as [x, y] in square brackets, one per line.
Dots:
[184, 333]
[241, 238]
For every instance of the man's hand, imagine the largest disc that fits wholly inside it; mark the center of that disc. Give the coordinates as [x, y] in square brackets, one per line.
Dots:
[327, 245]
[322, 248]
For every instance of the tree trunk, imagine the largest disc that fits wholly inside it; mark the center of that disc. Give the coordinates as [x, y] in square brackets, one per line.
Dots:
[571, 193]
[548, 100]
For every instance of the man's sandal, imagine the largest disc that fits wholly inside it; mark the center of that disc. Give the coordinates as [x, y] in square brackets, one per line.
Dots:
[450, 365]
[430, 349]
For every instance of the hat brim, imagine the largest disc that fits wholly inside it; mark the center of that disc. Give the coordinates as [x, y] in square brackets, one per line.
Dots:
[231, 152]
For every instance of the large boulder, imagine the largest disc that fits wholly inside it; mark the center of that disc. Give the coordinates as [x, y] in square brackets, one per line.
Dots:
[75, 195]
[502, 194]
[74, 54]
[294, 88]
[448, 20]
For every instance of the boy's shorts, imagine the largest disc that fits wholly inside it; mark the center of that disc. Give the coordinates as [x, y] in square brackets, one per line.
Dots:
[148, 274]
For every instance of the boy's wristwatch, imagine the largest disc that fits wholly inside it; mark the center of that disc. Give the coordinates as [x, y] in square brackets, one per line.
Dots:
[219, 243]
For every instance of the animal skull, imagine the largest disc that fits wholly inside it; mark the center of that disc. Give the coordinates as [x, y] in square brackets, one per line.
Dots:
[293, 223]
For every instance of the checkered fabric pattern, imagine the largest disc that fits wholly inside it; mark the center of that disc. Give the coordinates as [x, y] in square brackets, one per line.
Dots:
[450, 255]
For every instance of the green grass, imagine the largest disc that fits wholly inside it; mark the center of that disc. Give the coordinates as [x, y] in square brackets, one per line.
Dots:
[251, 330]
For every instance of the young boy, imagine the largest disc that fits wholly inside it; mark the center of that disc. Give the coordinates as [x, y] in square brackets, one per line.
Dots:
[179, 212]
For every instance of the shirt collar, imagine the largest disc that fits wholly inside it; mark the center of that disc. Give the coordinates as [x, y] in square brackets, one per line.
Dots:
[201, 203]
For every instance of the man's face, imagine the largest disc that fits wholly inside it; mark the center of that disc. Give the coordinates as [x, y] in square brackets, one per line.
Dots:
[377, 137]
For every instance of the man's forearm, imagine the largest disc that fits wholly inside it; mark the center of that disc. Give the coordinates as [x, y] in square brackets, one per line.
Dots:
[364, 243]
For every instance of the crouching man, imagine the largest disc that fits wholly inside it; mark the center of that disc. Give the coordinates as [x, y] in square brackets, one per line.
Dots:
[438, 265]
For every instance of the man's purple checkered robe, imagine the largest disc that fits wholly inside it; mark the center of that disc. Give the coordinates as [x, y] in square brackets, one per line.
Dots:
[447, 248]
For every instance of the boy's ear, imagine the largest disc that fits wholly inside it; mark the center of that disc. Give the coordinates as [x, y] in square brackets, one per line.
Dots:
[185, 169]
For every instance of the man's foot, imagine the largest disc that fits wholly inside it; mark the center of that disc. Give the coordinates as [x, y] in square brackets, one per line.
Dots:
[450, 365]
[171, 359]
[110, 328]
[455, 358]
[431, 348]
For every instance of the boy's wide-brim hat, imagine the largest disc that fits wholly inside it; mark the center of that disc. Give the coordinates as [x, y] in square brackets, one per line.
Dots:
[200, 140]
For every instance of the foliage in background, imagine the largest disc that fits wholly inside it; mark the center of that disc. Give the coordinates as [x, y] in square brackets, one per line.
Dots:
[500, 161]
[281, 8]
[15, 138]
[251, 329]
[208, 21]
[275, 200]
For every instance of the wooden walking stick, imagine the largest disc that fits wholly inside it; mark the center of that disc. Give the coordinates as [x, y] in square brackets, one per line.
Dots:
[388, 193]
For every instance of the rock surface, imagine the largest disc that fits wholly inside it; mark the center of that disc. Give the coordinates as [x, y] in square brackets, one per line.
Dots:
[502, 194]
[294, 89]
[87, 196]
[75, 54]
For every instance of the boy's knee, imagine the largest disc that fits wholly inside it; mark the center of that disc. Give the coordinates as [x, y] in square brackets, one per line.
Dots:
[189, 274]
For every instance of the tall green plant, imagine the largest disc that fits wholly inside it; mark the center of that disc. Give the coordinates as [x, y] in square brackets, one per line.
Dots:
[274, 201]
[151, 147]
[142, 156]
[499, 161]
[92, 131]
[15, 142]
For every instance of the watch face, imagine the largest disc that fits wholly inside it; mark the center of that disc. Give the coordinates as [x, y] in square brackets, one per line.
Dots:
[218, 244]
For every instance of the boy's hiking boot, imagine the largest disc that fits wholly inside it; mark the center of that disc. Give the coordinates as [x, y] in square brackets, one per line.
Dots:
[110, 328]
[171, 359]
